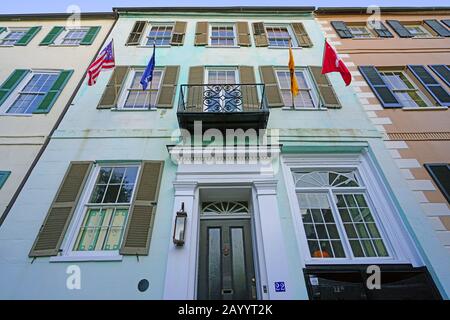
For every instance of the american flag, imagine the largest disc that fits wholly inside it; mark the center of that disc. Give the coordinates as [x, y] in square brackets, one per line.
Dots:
[104, 61]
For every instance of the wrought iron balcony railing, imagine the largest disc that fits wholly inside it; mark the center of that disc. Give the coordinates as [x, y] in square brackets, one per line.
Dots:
[226, 98]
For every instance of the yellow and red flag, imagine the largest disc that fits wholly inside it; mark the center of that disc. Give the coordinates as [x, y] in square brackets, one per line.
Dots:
[294, 83]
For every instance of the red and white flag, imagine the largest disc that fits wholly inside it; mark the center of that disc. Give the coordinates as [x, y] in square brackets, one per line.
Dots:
[332, 63]
[104, 61]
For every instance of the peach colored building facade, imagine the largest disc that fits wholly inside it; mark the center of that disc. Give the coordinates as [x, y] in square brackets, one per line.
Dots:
[404, 50]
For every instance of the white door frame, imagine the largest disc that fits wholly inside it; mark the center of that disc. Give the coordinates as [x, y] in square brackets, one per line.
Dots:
[181, 270]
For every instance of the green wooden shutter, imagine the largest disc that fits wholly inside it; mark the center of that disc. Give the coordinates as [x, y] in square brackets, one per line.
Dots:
[52, 231]
[201, 33]
[399, 29]
[195, 93]
[90, 36]
[54, 92]
[28, 36]
[11, 83]
[2, 29]
[243, 34]
[51, 36]
[341, 29]
[135, 36]
[113, 88]
[249, 90]
[3, 177]
[301, 35]
[272, 91]
[379, 87]
[382, 31]
[437, 27]
[327, 94]
[431, 84]
[136, 240]
[168, 87]
[442, 71]
[179, 32]
[260, 35]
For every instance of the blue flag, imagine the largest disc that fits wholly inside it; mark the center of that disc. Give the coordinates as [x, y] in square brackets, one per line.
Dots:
[147, 77]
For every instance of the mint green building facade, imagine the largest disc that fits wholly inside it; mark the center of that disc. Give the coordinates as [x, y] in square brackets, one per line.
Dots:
[259, 226]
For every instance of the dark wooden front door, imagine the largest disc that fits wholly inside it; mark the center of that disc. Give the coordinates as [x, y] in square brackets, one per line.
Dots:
[226, 270]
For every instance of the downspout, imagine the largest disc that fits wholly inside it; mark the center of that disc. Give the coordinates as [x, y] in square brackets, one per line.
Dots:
[58, 122]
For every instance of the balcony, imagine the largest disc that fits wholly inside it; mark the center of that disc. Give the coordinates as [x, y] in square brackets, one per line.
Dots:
[223, 106]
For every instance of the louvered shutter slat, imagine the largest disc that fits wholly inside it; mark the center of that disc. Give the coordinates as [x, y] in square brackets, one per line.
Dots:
[168, 87]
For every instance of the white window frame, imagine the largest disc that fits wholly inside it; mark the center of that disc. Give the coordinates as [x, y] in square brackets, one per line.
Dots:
[216, 24]
[281, 25]
[68, 253]
[127, 84]
[312, 89]
[9, 30]
[148, 28]
[425, 31]
[419, 92]
[396, 239]
[60, 38]
[16, 93]
[371, 34]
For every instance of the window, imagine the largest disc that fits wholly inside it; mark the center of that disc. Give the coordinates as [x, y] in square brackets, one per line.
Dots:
[3, 177]
[360, 31]
[336, 215]
[160, 35]
[31, 92]
[441, 176]
[222, 98]
[135, 97]
[404, 89]
[307, 96]
[222, 35]
[107, 209]
[418, 31]
[13, 36]
[74, 36]
[279, 36]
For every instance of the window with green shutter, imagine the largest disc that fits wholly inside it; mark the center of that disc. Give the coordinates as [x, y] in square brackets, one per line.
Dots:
[52, 35]
[3, 177]
[71, 36]
[17, 36]
[28, 92]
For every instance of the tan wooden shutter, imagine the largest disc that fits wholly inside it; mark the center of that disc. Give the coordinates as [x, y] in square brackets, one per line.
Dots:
[243, 32]
[195, 93]
[138, 232]
[112, 91]
[52, 231]
[272, 91]
[301, 35]
[260, 35]
[135, 36]
[326, 91]
[201, 33]
[168, 87]
[248, 87]
[179, 32]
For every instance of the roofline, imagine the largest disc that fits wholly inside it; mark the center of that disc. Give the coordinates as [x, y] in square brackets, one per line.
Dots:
[236, 9]
[56, 16]
[363, 10]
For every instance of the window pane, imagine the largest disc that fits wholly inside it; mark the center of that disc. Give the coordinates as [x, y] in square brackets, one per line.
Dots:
[320, 226]
[359, 226]
[160, 35]
[222, 36]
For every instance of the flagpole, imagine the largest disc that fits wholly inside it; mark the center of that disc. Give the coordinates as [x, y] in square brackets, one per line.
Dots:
[151, 81]
[291, 78]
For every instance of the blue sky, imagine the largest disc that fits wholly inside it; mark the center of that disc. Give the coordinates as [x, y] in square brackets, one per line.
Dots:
[33, 6]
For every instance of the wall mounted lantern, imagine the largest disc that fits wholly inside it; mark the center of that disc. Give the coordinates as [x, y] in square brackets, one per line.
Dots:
[180, 227]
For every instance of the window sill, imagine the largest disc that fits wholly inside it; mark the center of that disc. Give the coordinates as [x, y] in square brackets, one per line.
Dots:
[16, 114]
[133, 110]
[64, 45]
[223, 47]
[7, 45]
[344, 261]
[85, 258]
[151, 46]
[303, 109]
[425, 108]
[284, 48]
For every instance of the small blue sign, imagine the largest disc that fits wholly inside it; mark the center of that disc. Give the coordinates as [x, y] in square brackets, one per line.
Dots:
[280, 286]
